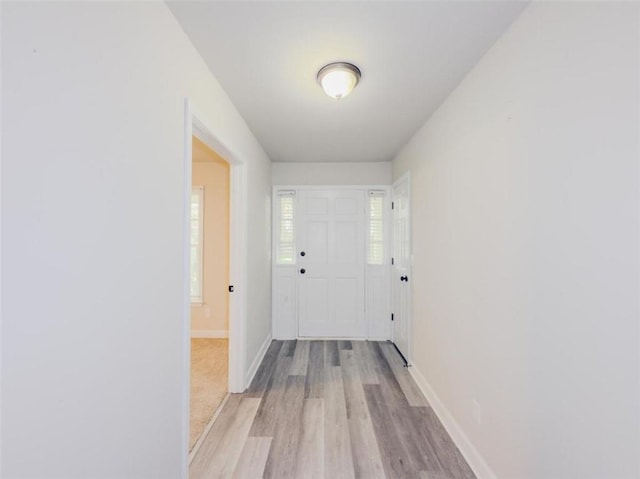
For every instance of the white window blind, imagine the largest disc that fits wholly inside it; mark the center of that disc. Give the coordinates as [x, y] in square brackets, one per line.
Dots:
[376, 228]
[197, 234]
[286, 246]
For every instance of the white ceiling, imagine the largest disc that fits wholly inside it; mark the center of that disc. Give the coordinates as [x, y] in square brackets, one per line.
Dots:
[412, 55]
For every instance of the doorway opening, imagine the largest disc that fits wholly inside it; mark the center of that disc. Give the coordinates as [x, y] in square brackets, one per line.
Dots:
[332, 257]
[209, 282]
[233, 290]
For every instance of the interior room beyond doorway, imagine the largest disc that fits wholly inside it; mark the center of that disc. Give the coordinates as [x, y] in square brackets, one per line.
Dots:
[209, 281]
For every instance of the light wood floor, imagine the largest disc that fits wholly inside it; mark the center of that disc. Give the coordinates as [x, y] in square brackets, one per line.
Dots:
[329, 409]
[209, 383]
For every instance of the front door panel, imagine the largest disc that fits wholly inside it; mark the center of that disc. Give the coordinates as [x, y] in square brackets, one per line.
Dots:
[331, 296]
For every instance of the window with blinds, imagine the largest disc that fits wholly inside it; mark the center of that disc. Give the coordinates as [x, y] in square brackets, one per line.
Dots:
[286, 246]
[376, 228]
[197, 233]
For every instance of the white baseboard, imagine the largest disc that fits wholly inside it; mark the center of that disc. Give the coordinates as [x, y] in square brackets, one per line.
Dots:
[468, 450]
[209, 333]
[257, 360]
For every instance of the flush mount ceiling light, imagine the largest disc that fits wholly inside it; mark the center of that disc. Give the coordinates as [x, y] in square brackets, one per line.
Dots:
[338, 79]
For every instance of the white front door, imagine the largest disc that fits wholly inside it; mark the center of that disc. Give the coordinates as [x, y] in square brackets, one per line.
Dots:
[401, 269]
[331, 263]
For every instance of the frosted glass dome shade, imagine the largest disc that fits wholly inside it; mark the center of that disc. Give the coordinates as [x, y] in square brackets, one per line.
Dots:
[338, 79]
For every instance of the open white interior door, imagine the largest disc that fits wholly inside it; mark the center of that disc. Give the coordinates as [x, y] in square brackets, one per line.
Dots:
[401, 268]
[331, 263]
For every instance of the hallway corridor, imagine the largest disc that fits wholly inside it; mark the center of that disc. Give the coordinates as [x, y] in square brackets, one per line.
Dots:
[329, 409]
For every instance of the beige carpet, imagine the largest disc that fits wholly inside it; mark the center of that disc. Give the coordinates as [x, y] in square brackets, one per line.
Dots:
[209, 373]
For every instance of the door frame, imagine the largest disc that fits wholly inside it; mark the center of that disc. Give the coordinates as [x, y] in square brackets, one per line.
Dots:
[276, 327]
[406, 177]
[196, 125]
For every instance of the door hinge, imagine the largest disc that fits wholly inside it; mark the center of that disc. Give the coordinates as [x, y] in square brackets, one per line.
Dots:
[231, 288]
[391, 316]
[392, 205]
[392, 261]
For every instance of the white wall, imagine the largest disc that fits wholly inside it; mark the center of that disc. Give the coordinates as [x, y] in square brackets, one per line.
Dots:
[525, 241]
[373, 173]
[92, 223]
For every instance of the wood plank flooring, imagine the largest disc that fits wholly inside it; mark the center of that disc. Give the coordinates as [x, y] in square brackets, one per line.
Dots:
[329, 409]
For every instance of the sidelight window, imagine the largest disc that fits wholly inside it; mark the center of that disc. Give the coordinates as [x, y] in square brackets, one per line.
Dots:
[376, 228]
[286, 252]
[197, 234]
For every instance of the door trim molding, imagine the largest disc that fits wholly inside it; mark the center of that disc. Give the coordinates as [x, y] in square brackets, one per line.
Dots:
[195, 124]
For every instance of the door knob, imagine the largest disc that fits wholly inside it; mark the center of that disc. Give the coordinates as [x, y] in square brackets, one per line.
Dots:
[404, 278]
[303, 271]
[302, 253]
